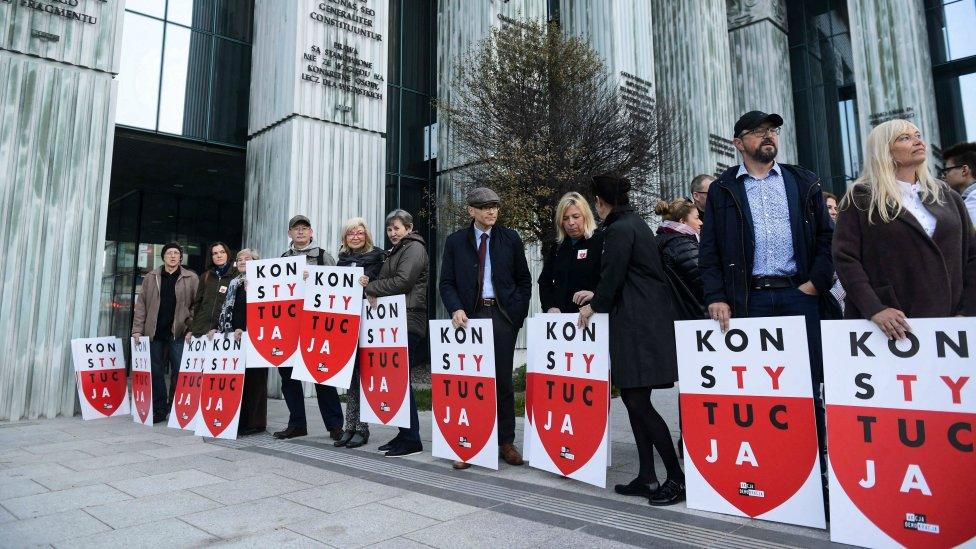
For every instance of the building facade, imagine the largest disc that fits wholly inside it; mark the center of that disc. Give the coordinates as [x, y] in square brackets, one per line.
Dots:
[130, 124]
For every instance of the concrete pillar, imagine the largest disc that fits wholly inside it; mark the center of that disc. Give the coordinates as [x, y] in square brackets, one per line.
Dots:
[760, 53]
[694, 81]
[892, 67]
[57, 121]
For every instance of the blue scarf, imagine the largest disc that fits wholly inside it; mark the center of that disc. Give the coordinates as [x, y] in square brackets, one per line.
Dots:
[221, 271]
[225, 321]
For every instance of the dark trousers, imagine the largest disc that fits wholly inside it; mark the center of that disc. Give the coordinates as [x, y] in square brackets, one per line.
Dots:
[163, 354]
[254, 400]
[793, 302]
[505, 335]
[415, 345]
[328, 398]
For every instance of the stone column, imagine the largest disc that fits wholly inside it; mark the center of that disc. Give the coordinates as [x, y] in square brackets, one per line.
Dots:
[892, 68]
[760, 54]
[694, 82]
[57, 122]
[317, 121]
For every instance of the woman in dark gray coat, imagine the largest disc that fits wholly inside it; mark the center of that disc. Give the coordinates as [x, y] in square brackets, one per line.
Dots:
[634, 290]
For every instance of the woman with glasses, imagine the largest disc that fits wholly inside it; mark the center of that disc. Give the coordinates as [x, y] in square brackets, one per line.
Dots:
[904, 245]
[572, 268]
[357, 250]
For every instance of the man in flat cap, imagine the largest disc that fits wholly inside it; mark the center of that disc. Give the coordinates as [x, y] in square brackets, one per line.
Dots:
[484, 274]
[765, 244]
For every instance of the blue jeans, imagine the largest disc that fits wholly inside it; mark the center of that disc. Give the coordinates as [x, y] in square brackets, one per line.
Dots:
[160, 360]
[415, 348]
[793, 302]
[327, 396]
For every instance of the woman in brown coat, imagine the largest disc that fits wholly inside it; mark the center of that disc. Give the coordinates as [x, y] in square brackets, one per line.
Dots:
[904, 245]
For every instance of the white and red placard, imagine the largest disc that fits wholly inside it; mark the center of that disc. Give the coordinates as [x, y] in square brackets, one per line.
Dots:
[103, 388]
[570, 394]
[900, 433]
[186, 397]
[463, 398]
[221, 387]
[330, 325]
[275, 292]
[747, 416]
[142, 396]
[530, 377]
[384, 365]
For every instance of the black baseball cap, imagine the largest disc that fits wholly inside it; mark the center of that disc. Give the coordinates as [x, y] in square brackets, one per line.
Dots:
[170, 246]
[753, 119]
[298, 219]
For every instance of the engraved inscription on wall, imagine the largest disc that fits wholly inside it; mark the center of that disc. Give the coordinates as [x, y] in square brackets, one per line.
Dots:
[344, 65]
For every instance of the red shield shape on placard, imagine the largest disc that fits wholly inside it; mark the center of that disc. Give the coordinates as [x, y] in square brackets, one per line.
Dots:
[220, 398]
[466, 434]
[530, 379]
[785, 456]
[949, 472]
[141, 393]
[103, 389]
[272, 327]
[328, 342]
[383, 375]
[186, 399]
[570, 416]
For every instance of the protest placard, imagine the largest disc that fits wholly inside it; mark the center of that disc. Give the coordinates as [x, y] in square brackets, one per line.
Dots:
[465, 413]
[570, 395]
[330, 325]
[900, 418]
[103, 389]
[221, 387]
[747, 416]
[384, 365]
[186, 396]
[142, 396]
[274, 304]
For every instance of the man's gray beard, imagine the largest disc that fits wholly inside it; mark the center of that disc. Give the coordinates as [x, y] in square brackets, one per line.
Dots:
[763, 157]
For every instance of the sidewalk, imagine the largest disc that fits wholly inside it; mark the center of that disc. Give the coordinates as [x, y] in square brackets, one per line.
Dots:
[104, 483]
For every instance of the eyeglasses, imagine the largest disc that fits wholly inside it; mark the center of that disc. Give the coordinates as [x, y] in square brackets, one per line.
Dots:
[356, 233]
[762, 132]
[944, 171]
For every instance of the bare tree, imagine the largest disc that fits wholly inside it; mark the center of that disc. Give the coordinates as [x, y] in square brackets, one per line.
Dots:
[535, 114]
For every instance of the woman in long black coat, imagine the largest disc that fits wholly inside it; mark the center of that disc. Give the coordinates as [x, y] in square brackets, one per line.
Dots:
[571, 270]
[634, 290]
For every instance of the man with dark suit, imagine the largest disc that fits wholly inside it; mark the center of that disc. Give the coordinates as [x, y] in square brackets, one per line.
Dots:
[484, 274]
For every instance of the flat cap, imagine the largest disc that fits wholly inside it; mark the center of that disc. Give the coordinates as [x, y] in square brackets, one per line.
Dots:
[753, 119]
[298, 219]
[481, 196]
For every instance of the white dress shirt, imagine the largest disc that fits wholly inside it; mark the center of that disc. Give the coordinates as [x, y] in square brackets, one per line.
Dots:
[912, 202]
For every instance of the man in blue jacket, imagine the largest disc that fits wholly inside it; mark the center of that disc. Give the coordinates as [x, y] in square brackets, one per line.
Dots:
[765, 244]
[484, 274]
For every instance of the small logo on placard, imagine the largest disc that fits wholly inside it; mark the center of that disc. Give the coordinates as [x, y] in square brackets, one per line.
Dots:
[463, 442]
[566, 454]
[749, 489]
[915, 521]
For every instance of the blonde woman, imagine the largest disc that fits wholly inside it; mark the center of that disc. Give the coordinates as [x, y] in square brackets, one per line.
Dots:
[357, 250]
[571, 268]
[904, 245]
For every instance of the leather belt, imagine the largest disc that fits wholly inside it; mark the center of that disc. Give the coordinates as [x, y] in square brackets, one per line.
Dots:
[487, 302]
[773, 282]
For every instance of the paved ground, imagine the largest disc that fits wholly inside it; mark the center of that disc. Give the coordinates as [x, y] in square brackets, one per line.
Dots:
[113, 483]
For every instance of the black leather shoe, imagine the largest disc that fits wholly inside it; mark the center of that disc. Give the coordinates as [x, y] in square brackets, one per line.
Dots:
[669, 493]
[637, 487]
[344, 439]
[336, 433]
[405, 448]
[390, 445]
[291, 432]
[357, 440]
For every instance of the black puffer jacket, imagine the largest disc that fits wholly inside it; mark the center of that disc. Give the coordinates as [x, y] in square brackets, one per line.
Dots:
[370, 261]
[680, 253]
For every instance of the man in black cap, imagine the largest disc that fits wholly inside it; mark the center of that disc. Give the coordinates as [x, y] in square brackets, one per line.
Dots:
[765, 249]
[300, 232]
[484, 274]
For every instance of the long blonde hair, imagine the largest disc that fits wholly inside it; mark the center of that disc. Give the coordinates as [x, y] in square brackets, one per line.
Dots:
[352, 224]
[574, 199]
[879, 178]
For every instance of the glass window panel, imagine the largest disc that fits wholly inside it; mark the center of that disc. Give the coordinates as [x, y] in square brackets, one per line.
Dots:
[960, 19]
[234, 19]
[142, 50]
[192, 13]
[967, 90]
[393, 43]
[415, 45]
[155, 8]
[414, 115]
[231, 74]
[392, 129]
[186, 82]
